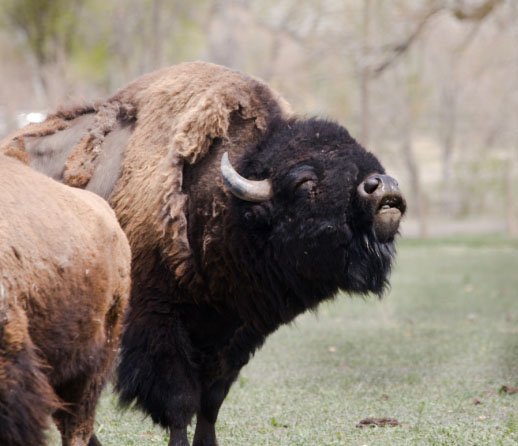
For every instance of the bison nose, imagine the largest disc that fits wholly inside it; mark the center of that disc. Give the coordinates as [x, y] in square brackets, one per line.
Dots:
[386, 202]
[376, 186]
[382, 193]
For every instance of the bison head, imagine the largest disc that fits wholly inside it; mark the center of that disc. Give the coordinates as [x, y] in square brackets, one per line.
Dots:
[318, 207]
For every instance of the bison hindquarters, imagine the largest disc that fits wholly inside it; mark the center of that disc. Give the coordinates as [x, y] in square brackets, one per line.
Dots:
[26, 397]
[64, 286]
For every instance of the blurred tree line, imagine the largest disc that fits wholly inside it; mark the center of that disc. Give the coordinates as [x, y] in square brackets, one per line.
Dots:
[431, 86]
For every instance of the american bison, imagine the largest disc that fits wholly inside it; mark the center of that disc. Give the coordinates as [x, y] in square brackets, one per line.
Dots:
[64, 284]
[220, 259]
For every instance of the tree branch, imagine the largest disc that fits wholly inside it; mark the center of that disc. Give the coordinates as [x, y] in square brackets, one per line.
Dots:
[476, 14]
[400, 48]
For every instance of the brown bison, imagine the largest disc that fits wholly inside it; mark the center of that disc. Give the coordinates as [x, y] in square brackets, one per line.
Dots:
[64, 284]
[220, 260]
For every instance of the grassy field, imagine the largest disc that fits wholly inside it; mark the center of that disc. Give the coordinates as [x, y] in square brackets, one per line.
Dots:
[432, 354]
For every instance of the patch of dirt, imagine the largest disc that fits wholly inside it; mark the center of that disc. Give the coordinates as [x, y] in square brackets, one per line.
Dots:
[380, 422]
[508, 390]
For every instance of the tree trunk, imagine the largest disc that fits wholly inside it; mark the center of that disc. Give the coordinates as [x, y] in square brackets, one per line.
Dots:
[365, 77]
[511, 176]
[449, 113]
[409, 114]
[419, 197]
[156, 50]
[448, 131]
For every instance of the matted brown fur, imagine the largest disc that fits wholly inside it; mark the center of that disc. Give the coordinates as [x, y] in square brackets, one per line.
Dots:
[180, 111]
[177, 113]
[64, 285]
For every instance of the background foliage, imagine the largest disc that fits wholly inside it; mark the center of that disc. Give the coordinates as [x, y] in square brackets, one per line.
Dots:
[431, 86]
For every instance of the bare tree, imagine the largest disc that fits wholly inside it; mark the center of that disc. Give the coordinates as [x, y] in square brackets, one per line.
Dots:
[47, 31]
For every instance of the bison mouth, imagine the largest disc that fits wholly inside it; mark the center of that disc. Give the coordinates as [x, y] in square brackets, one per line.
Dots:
[393, 204]
[382, 193]
[388, 215]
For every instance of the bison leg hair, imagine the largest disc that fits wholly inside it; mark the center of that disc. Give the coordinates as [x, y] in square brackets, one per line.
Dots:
[211, 401]
[178, 437]
[94, 441]
[219, 374]
[205, 434]
[26, 398]
[81, 393]
[75, 422]
[157, 370]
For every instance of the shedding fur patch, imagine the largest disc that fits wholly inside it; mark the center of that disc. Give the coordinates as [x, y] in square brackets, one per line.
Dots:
[177, 113]
[82, 161]
[180, 111]
[14, 144]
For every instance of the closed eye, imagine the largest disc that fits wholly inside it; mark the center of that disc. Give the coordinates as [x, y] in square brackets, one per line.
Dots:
[306, 182]
[303, 177]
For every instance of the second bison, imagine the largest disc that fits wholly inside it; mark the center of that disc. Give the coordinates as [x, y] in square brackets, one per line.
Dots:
[220, 260]
[64, 285]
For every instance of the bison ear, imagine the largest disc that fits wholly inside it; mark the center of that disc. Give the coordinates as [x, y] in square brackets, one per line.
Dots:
[209, 119]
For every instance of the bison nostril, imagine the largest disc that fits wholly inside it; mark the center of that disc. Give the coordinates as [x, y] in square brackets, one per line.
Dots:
[371, 184]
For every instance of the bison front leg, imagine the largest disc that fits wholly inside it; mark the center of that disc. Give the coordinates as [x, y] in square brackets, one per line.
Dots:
[178, 437]
[220, 372]
[211, 401]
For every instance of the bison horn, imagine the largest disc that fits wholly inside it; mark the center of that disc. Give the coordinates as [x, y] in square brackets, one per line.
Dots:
[248, 190]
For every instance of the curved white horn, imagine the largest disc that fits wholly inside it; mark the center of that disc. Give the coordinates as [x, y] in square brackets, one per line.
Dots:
[248, 190]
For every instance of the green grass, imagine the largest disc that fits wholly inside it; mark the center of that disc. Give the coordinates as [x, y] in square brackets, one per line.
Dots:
[445, 335]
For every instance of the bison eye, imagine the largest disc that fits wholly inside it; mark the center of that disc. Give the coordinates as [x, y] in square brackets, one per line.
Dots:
[305, 187]
[305, 183]
[303, 178]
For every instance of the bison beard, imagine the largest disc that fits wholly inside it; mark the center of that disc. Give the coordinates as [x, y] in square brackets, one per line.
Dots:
[218, 268]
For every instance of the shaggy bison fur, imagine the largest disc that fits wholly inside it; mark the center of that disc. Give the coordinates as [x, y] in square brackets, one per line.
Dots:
[64, 284]
[220, 260]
